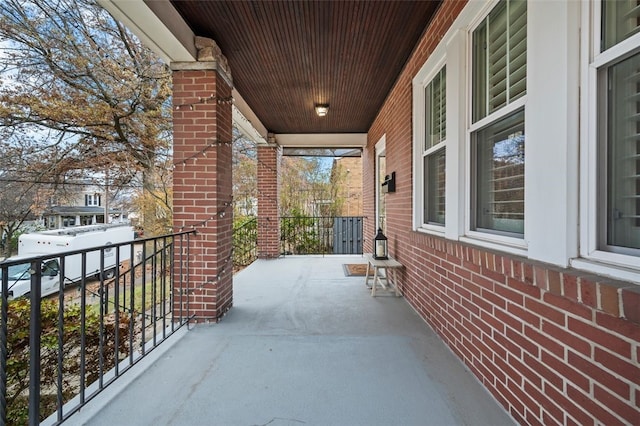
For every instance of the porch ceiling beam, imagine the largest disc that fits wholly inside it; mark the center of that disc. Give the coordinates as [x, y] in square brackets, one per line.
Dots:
[324, 140]
[246, 120]
[158, 25]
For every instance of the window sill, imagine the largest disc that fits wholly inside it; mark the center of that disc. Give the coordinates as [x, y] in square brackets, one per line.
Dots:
[437, 231]
[508, 245]
[617, 272]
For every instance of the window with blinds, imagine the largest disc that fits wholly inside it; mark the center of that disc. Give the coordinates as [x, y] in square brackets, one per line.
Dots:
[500, 58]
[434, 184]
[436, 110]
[623, 155]
[619, 130]
[499, 176]
[434, 154]
[499, 77]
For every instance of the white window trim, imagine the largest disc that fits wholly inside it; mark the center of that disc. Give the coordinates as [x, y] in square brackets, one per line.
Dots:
[513, 245]
[427, 73]
[551, 197]
[451, 51]
[591, 259]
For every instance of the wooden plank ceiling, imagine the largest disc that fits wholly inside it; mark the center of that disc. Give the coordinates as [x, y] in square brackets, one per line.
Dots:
[287, 56]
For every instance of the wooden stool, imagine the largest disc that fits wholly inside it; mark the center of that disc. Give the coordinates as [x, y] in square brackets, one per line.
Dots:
[390, 266]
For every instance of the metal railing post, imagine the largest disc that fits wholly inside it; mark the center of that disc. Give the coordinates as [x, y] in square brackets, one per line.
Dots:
[35, 329]
[4, 316]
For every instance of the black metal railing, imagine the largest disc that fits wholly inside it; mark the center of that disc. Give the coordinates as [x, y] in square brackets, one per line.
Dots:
[320, 235]
[245, 243]
[59, 352]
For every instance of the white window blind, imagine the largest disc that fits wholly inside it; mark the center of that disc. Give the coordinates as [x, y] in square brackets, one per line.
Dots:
[623, 154]
[500, 58]
[436, 110]
[434, 176]
[621, 20]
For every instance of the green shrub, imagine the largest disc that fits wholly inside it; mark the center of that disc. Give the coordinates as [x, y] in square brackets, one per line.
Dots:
[19, 351]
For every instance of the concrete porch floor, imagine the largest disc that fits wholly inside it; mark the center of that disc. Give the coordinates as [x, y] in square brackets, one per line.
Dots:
[302, 345]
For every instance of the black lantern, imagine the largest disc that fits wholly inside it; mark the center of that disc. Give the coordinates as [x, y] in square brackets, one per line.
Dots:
[380, 246]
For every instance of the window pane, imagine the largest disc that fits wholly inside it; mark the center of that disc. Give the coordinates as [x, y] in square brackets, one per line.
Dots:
[499, 176]
[500, 58]
[436, 110]
[497, 57]
[623, 154]
[434, 190]
[480, 72]
[620, 20]
[517, 49]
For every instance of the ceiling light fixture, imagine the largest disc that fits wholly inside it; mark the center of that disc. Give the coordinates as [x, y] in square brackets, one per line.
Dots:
[322, 109]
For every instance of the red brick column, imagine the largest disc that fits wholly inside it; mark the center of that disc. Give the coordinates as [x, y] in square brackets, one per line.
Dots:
[202, 188]
[268, 192]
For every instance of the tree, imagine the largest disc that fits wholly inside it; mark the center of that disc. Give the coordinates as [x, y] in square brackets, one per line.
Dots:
[15, 208]
[245, 179]
[17, 197]
[155, 202]
[80, 94]
[305, 187]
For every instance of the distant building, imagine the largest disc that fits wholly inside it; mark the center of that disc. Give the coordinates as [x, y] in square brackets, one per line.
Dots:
[347, 173]
[81, 208]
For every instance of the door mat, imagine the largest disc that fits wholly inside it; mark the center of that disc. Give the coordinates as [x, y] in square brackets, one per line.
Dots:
[355, 269]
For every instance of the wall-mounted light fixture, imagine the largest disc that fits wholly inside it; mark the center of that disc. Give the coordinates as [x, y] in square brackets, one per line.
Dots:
[389, 184]
[322, 109]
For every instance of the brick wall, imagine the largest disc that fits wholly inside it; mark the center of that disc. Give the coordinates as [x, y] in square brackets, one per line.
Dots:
[269, 157]
[553, 346]
[202, 188]
[351, 187]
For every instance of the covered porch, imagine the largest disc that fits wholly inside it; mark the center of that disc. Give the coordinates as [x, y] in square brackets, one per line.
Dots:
[304, 344]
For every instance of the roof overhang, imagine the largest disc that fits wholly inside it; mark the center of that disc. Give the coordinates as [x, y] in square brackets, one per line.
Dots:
[160, 27]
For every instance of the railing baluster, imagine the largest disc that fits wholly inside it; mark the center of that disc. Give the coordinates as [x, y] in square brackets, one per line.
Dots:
[61, 262]
[35, 331]
[4, 316]
[154, 282]
[181, 276]
[188, 286]
[116, 310]
[142, 303]
[83, 326]
[132, 308]
[104, 297]
[163, 288]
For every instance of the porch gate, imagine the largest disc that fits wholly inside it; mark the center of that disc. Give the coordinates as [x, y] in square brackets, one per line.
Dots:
[347, 235]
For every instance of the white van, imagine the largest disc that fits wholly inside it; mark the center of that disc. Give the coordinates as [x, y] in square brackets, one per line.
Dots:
[66, 240]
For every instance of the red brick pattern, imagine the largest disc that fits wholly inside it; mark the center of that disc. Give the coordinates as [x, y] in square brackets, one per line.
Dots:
[547, 356]
[269, 158]
[202, 189]
[553, 346]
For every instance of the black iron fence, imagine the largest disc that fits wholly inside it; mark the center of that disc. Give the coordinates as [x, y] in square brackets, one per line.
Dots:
[60, 351]
[245, 243]
[321, 235]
